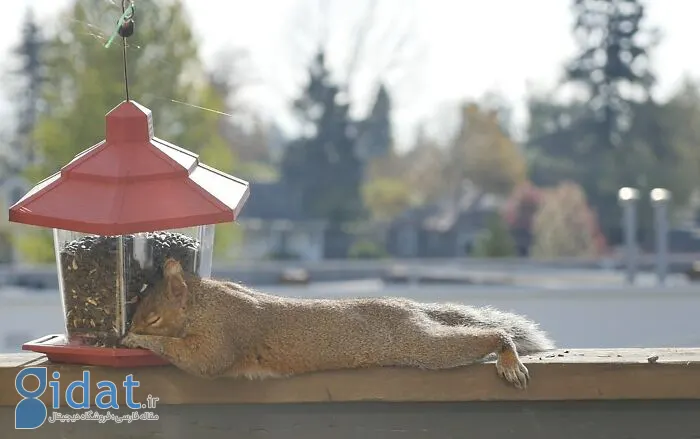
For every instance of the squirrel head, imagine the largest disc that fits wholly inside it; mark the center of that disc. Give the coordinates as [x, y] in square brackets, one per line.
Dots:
[162, 310]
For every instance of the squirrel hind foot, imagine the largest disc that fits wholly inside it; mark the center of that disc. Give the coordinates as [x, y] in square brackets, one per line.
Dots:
[510, 368]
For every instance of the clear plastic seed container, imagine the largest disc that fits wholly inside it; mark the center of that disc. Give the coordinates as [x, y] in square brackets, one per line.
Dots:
[102, 278]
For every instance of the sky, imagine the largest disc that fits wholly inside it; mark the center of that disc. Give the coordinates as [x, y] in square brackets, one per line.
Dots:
[455, 49]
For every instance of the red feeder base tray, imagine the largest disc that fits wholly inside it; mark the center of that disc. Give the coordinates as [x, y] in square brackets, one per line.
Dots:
[58, 350]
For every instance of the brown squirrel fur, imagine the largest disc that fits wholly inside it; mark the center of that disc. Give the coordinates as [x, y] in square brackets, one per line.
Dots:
[213, 328]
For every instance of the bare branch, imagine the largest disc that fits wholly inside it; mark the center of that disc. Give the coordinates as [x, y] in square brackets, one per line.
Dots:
[308, 30]
[365, 27]
[394, 62]
[325, 24]
[379, 42]
[395, 55]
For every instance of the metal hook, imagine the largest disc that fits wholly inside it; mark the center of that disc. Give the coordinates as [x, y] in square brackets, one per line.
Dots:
[127, 27]
[125, 24]
[128, 9]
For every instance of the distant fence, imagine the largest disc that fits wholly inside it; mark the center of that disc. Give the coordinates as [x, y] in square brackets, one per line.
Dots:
[578, 317]
[269, 272]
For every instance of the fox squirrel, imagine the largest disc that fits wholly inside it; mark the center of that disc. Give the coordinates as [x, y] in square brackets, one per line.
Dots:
[213, 328]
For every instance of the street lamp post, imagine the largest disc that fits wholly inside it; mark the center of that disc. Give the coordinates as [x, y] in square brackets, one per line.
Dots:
[660, 199]
[628, 200]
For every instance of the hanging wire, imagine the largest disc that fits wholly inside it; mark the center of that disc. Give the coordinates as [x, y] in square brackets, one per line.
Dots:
[126, 71]
[125, 28]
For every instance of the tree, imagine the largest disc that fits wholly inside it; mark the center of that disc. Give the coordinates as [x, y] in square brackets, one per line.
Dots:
[497, 103]
[397, 181]
[85, 81]
[423, 168]
[380, 46]
[496, 241]
[565, 226]
[484, 154]
[323, 163]
[672, 132]
[522, 205]
[419, 169]
[376, 138]
[553, 143]
[681, 117]
[613, 55]
[29, 78]
[663, 144]
[375, 56]
[331, 122]
[386, 197]
[590, 141]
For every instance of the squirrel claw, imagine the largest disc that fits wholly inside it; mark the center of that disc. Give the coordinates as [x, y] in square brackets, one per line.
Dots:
[515, 373]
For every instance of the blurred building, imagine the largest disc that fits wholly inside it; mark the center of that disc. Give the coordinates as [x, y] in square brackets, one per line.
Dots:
[447, 228]
[276, 227]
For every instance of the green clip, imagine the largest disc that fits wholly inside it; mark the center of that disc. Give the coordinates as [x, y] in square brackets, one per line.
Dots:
[127, 14]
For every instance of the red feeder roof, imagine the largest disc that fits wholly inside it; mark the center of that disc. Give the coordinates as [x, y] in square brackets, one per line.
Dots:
[132, 182]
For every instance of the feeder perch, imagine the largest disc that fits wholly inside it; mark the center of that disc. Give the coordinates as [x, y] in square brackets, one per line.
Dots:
[118, 210]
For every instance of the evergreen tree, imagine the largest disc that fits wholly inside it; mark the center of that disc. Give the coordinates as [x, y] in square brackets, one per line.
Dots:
[552, 146]
[322, 163]
[376, 138]
[591, 142]
[27, 98]
[612, 56]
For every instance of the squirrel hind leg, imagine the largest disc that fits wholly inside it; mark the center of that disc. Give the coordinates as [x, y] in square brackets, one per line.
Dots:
[442, 347]
[511, 368]
[486, 343]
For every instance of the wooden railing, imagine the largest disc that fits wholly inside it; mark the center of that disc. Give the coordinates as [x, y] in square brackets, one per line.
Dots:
[626, 393]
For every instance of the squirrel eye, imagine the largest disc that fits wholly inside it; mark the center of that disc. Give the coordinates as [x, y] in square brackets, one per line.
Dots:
[153, 319]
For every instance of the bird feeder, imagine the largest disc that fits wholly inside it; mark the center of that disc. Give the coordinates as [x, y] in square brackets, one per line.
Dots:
[118, 210]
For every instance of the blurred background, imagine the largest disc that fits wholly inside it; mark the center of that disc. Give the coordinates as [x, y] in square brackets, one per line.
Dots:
[440, 150]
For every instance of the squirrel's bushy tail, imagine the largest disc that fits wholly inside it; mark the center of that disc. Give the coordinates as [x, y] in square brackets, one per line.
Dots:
[527, 335]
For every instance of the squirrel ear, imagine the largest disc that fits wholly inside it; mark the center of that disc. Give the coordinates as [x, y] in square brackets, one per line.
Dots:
[178, 291]
[174, 277]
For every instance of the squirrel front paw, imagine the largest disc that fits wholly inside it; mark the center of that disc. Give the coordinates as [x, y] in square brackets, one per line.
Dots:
[131, 340]
[511, 369]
